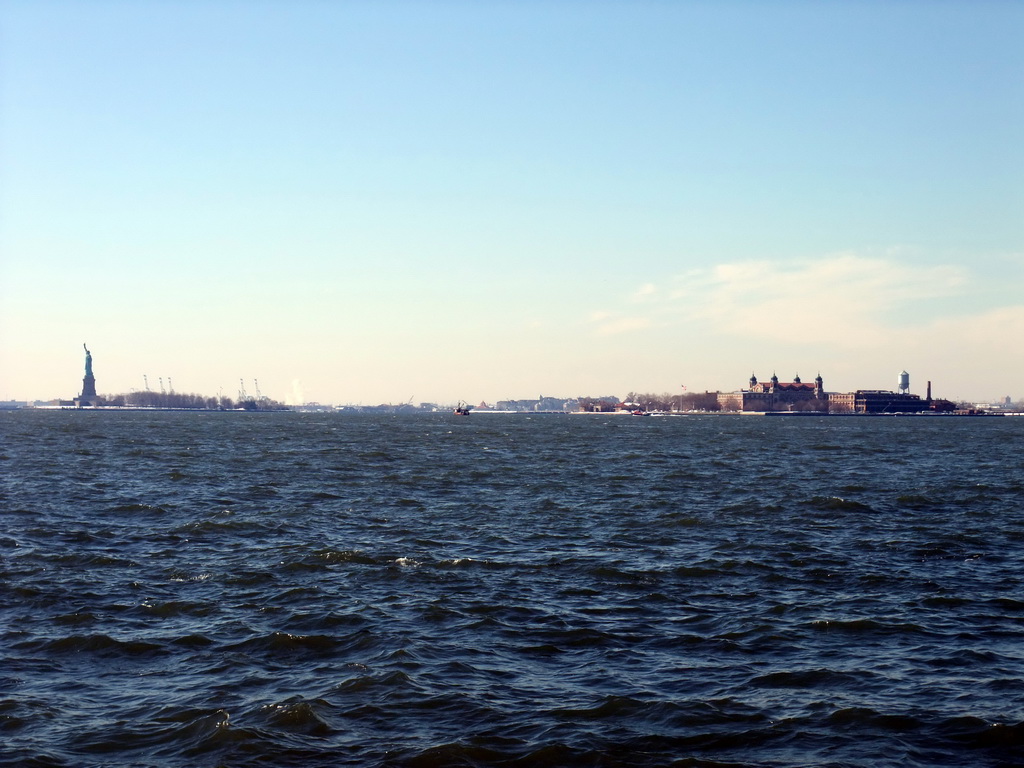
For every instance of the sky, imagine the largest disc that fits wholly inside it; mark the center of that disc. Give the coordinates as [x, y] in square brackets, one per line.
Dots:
[374, 202]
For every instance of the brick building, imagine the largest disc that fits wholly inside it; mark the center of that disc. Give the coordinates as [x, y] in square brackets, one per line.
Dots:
[775, 395]
[876, 401]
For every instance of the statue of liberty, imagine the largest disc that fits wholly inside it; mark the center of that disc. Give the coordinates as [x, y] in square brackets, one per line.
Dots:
[89, 382]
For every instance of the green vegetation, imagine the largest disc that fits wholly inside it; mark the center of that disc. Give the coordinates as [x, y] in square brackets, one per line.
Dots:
[191, 401]
[690, 401]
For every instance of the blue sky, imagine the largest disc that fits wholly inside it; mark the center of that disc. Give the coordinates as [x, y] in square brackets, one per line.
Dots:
[367, 202]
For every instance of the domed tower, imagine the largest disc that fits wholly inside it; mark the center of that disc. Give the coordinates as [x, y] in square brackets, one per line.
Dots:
[775, 381]
[796, 379]
[753, 380]
[819, 383]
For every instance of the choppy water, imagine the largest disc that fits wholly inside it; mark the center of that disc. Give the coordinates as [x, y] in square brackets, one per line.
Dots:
[322, 590]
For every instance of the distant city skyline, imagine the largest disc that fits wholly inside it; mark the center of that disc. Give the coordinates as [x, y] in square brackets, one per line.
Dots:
[253, 390]
[443, 201]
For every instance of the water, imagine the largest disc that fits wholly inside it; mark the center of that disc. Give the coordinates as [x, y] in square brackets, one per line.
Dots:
[322, 590]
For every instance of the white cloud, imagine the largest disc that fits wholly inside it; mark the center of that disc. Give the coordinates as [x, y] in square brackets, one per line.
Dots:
[1003, 326]
[645, 292]
[856, 317]
[840, 294]
[609, 325]
[974, 341]
[852, 297]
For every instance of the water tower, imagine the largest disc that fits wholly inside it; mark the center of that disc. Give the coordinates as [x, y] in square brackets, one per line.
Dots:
[904, 386]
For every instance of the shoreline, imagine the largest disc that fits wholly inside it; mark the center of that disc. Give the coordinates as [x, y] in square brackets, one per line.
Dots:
[660, 414]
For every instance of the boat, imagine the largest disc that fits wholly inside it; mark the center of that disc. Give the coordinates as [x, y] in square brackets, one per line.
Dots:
[461, 409]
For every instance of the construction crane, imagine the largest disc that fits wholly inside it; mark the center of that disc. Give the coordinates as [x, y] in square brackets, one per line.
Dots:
[170, 387]
[162, 392]
[259, 395]
[242, 394]
[145, 380]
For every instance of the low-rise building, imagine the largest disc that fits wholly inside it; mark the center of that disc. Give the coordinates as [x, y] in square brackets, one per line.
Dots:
[876, 401]
[774, 395]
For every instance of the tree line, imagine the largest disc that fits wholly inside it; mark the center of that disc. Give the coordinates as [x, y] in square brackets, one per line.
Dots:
[688, 401]
[189, 401]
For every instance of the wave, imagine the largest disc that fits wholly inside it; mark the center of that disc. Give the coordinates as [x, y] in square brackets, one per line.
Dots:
[96, 643]
[173, 735]
[298, 715]
[584, 592]
[945, 734]
[808, 678]
[838, 503]
[172, 608]
[138, 508]
[278, 643]
[325, 558]
[867, 626]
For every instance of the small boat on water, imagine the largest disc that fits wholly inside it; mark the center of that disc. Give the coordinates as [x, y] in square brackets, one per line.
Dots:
[461, 409]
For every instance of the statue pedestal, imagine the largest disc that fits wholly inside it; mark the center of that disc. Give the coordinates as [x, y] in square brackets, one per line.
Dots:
[88, 386]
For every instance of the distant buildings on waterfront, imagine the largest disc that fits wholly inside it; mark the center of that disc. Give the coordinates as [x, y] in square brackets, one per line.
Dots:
[774, 395]
[542, 403]
[771, 396]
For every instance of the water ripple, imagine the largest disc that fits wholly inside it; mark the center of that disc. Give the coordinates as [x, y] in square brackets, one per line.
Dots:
[324, 590]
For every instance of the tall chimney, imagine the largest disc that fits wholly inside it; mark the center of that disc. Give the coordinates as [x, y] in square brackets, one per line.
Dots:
[929, 398]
